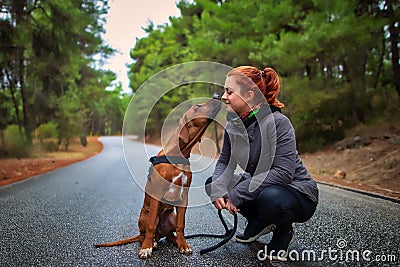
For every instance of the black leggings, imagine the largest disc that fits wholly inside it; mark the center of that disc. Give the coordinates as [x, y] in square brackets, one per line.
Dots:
[281, 205]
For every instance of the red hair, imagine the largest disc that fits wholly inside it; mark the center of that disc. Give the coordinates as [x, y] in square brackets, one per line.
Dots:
[267, 81]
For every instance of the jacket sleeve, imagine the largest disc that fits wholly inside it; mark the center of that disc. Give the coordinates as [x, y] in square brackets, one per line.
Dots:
[223, 171]
[282, 169]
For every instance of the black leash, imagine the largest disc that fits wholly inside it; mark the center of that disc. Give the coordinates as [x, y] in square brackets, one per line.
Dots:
[229, 233]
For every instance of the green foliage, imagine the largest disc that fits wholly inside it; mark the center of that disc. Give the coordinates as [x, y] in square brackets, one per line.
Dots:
[328, 53]
[317, 111]
[46, 130]
[70, 116]
[48, 54]
[115, 104]
[337, 61]
[47, 133]
[384, 100]
[15, 142]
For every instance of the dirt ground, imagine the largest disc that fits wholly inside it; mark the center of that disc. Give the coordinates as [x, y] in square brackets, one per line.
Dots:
[13, 170]
[373, 167]
[370, 165]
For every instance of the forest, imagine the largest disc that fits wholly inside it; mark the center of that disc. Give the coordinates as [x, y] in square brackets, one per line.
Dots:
[338, 62]
[52, 86]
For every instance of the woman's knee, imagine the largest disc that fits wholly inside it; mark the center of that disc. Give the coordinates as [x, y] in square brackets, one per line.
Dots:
[270, 194]
[275, 202]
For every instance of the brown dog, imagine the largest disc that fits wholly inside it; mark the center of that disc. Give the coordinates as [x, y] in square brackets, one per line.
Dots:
[169, 181]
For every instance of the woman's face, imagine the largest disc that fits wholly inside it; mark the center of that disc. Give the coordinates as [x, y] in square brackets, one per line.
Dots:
[233, 98]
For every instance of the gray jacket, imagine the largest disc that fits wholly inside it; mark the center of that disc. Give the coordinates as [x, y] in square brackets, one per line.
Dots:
[266, 151]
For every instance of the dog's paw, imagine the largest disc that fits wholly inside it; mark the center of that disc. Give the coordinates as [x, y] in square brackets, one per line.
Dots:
[155, 245]
[145, 253]
[186, 249]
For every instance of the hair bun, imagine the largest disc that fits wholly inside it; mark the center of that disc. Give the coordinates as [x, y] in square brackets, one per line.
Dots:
[267, 80]
[272, 86]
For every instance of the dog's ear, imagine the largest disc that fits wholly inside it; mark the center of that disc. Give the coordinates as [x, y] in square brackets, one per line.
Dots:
[184, 133]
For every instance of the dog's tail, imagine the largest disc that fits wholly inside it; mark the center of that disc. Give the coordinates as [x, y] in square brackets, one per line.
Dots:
[136, 238]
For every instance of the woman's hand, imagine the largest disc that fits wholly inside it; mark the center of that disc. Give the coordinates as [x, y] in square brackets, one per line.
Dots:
[219, 203]
[225, 203]
[229, 206]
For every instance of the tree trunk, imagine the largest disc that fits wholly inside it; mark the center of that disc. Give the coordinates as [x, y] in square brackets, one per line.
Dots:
[354, 71]
[24, 96]
[19, 11]
[11, 86]
[394, 34]
[355, 67]
[382, 55]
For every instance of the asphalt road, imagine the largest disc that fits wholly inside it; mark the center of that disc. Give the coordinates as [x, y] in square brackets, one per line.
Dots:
[55, 218]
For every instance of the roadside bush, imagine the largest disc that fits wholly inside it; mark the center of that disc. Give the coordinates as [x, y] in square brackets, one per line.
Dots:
[47, 133]
[318, 112]
[70, 117]
[384, 99]
[50, 145]
[15, 142]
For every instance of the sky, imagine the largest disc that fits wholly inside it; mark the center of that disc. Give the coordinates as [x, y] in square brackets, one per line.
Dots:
[124, 24]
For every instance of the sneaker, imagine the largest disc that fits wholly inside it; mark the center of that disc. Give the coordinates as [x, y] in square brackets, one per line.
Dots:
[254, 229]
[277, 248]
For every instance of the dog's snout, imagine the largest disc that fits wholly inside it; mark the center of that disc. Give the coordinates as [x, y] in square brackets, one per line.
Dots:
[217, 96]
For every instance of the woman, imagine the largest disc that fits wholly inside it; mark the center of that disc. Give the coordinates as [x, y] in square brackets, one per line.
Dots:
[275, 189]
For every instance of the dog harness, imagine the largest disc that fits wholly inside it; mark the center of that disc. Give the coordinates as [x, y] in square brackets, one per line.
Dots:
[169, 159]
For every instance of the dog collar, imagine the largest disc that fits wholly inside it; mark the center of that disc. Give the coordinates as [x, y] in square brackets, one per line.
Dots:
[169, 159]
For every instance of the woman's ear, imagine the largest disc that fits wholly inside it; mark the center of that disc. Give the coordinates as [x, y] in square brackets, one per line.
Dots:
[249, 96]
